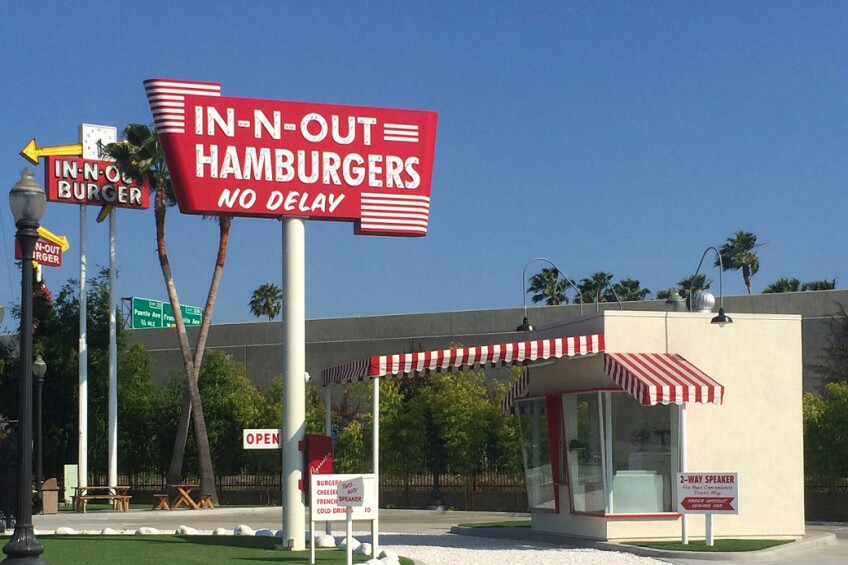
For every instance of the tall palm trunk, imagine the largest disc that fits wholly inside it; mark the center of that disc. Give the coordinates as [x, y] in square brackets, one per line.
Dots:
[746, 276]
[192, 403]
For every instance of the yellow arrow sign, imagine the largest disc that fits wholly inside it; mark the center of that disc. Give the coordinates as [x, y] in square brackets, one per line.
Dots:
[53, 238]
[32, 152]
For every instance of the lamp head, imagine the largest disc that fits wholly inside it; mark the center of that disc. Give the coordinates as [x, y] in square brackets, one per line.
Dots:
[722, 318]
[39, 367]
[27, 199]
[525, 326]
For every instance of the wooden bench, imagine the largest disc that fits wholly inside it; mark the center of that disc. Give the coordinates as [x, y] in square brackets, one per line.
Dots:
[206, 501]
[116, 495]
[120, 502]
[160, 502]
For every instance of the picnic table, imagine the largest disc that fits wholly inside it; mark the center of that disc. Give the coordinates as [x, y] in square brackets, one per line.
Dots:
[117, 495]
[184, 496]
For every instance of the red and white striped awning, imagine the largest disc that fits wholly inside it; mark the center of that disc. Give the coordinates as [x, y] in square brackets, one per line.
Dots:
[651, 378]
[462, 358]
[662, 378]
[519, 389]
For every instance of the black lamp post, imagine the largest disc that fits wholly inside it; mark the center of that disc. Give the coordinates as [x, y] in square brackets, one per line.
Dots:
[27, 201]
[39, 369]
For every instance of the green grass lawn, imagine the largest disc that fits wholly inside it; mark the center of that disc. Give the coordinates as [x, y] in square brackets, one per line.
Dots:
[156, 550]
[721, 545]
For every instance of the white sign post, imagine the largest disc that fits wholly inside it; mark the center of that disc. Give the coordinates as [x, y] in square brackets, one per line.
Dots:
[333, 498]
[350, 493]
[708, 493]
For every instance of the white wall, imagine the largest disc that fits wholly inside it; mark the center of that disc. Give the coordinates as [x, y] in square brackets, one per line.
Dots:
[756, 433]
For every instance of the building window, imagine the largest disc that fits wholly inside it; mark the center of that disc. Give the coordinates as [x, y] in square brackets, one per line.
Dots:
[621, 455]
[583, 428]
[536, 451]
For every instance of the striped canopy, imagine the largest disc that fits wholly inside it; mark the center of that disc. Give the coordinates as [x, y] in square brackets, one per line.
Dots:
[462, 358]
[651, 378]
[662, 378]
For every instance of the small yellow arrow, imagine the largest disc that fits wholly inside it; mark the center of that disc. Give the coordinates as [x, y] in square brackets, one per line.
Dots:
[32, 152]
[53, 238]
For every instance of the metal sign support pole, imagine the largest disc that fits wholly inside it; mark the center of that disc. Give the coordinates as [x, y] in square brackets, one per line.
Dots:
[113, 354]
[375, 523]
[684, 519]
[82, 449]
[294, 382]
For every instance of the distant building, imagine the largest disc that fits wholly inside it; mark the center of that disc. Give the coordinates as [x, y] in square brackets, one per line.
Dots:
[334, 341]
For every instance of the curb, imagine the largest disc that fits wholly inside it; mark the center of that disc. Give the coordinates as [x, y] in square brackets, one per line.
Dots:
[811, 539]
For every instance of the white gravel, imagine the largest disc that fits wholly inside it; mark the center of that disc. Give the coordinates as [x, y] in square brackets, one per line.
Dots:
[452, 549]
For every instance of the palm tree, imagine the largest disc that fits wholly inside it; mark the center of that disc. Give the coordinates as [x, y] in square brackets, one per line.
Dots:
[141, 157]
[738, 253]
[783, 284]
[822, 284]
[628, 290]
[592, 289]
[548, 287]
[267, 300]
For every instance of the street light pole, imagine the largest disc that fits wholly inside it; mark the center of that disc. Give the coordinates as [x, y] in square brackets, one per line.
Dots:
[39, 369]
[27, 201]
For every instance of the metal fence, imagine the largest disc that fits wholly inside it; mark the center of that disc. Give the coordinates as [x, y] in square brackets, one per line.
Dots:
[156, 481]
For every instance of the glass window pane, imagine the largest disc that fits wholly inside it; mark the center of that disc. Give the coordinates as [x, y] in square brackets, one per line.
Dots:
[644, 455]
[536, 451]
[585, 460]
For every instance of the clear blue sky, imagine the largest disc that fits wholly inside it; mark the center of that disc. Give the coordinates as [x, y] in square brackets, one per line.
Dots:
[623, 137]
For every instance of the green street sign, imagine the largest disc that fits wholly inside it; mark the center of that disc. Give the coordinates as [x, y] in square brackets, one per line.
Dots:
[146, 313]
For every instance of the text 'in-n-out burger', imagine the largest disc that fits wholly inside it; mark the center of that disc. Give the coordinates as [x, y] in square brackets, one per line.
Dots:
[268, 158]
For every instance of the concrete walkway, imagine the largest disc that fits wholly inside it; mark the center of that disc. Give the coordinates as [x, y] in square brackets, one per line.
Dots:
[823, 544]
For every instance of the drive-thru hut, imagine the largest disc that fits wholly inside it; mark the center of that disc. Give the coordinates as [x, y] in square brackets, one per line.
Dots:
[612, 406]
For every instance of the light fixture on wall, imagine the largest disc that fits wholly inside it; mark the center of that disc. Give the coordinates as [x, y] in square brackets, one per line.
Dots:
[722, 318]
[525, 325]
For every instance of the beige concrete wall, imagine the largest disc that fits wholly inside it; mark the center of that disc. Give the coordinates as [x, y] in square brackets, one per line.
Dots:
[756, 433]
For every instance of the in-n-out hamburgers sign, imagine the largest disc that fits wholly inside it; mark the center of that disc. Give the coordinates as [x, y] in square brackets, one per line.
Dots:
[252, 157]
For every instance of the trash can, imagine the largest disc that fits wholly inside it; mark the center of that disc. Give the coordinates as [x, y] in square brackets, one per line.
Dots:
[50, 497]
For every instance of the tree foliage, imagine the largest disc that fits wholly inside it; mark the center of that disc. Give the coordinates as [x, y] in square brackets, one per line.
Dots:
[595, 288]
[783, 284]
[628, 290]
[738, 253]
[822, 284]
[826, 432]
[547, 286]
[266, 300]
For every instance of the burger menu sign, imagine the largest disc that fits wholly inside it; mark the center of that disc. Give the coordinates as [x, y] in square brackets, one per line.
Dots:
[268, 158]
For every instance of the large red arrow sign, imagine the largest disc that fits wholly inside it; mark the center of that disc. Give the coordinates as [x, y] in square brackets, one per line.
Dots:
[708, 504]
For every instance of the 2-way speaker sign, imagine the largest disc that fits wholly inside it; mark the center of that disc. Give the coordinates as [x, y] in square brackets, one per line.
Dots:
[268, 158]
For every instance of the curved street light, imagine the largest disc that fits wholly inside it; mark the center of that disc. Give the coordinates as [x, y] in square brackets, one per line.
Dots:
[525, 325]
[722, 318]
